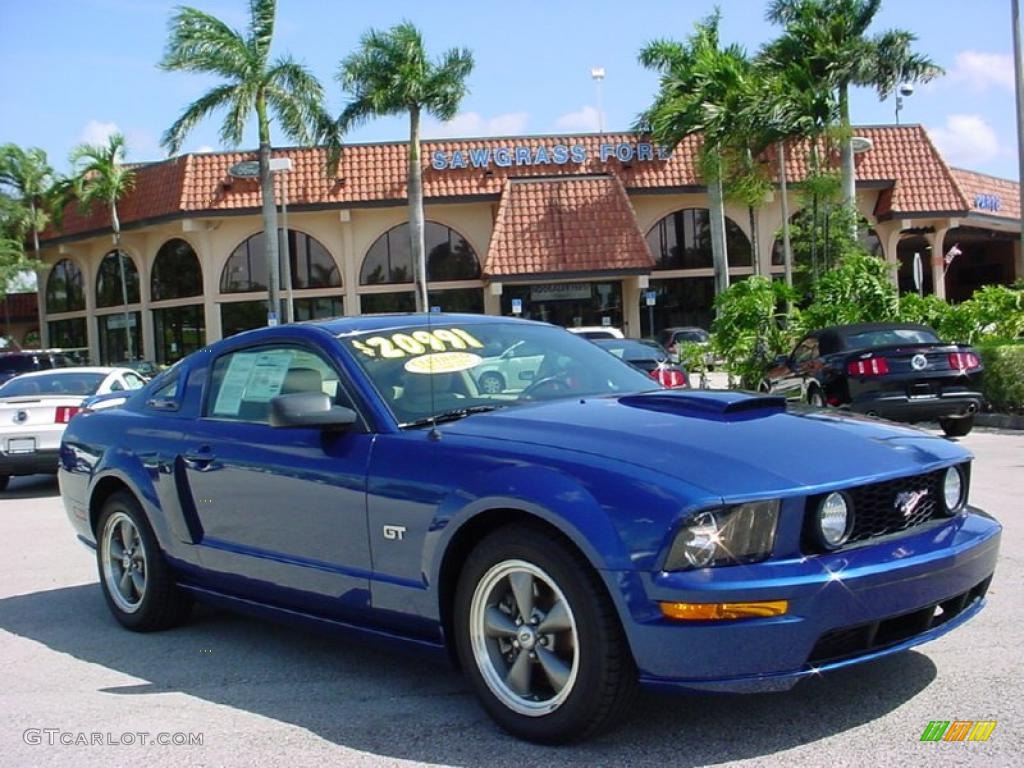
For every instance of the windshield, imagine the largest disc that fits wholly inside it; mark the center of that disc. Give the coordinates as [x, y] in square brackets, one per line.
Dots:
[450, 370]
[885, 337]
[53, 384]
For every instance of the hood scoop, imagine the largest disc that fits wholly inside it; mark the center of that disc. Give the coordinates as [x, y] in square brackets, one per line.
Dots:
[706, 404]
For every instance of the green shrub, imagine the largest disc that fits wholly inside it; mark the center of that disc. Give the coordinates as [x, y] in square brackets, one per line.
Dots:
[750, 328]
[1003, 382]
[858, 290]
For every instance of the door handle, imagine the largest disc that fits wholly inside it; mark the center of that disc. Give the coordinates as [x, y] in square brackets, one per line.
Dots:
[199, 458]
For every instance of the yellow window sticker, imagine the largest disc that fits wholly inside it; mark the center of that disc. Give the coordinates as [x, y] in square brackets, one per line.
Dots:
[399, 345]
[443, 362]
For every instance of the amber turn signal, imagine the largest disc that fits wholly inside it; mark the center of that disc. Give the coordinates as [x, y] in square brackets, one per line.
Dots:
[720, 611]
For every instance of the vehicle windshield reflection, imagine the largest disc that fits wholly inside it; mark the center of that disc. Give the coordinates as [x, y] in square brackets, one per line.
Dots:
[452, 371]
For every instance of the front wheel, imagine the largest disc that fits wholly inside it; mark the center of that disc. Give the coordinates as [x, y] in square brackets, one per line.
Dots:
[957, 427]
[137, 583]
[492, 384]
[4, 480]
[539, 638]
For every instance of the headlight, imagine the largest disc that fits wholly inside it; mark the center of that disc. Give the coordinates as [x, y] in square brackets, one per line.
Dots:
[834, 520]
[741, 534]
[953, 490]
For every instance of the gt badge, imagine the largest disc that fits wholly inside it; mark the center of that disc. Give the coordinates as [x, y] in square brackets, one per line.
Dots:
[394, 532]
[907, 501]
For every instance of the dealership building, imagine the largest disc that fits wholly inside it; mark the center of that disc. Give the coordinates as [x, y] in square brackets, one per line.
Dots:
[574, 230]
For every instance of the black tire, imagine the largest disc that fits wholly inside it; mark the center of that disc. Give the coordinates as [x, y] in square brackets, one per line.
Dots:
[160, 604]
[4, 481]
[815, 398]
[603, 684]
[491, 383]
[957, 427]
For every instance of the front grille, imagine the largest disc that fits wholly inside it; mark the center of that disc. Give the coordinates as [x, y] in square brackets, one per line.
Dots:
[849, 642]
[881, 509]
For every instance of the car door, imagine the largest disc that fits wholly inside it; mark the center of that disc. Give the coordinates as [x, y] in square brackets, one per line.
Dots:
[282, 511]
[789, 380]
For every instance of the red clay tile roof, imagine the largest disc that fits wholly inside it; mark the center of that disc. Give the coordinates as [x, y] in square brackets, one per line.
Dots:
[555, 226]
[989, 195]
[901, 156]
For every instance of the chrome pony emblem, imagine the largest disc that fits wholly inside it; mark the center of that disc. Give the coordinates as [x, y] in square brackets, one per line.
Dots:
[21, 417]
[919, 362]
[908, 501]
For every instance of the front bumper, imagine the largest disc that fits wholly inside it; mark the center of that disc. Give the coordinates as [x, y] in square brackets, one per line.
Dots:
[900, 407]
[844, 608]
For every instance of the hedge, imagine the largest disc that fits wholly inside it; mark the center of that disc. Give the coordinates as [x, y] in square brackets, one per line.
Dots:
[1003, 382]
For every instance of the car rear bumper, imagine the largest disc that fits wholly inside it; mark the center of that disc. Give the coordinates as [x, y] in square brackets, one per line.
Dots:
[36, 463]
[844, 608]
[899, 407]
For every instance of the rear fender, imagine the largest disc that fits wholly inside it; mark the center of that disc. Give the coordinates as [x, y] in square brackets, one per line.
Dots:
[129, 470]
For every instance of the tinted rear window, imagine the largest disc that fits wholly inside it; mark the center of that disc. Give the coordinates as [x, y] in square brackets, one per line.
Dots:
[53, 384]
[885, 337]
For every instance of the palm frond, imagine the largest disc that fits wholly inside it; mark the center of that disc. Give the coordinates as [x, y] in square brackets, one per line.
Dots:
[261, 25]
[200, 42]
[209, 102]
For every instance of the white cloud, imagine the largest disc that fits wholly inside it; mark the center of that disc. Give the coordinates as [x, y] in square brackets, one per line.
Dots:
[586, 119]
[204, 149]
[980, 71]
[474, 124]
[96, 132]
[966, 140]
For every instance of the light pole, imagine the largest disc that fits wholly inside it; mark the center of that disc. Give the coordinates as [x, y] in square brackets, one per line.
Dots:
[250, 169]
[597, 73]
[1018, 69]
[904, 90]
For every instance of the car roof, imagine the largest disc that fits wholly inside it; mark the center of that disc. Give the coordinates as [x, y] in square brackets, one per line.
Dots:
[677, 328]
[849, 330]
[341, 326]
[74, 370]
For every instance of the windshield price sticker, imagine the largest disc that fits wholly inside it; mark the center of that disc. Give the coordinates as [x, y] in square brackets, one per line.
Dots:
[416, 343]
[443, 362]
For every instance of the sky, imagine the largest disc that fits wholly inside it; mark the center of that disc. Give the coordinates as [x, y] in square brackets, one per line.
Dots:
[76, 70]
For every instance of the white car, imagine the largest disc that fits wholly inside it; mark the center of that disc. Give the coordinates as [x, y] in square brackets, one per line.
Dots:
[598, 332]
[36, 407]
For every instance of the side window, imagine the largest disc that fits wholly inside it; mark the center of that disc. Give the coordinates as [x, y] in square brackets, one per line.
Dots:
[116, 386]
[166, 397]
[43, 362]
[134, 381]
[806, 350]
[244, 382]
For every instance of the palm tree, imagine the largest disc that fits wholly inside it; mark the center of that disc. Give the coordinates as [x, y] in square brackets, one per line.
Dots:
[101, 177]
[830, 38]
[31, 181]
[390, 74]
[702, 87]
[202, 43]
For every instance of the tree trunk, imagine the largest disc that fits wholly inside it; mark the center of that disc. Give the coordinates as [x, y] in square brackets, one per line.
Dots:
[755, 241]
[269, 214]
[115, 223]
[846, 149]
[417, 245]
[787, 248]
[719, 254]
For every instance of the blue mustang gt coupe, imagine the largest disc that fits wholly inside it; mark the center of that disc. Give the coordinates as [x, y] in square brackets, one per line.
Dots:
[563, 537]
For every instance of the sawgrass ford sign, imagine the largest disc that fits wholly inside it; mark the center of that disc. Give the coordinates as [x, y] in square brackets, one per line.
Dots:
[544, 154]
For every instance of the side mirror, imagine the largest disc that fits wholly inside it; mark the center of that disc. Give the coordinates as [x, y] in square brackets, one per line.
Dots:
[527, 375]
[309, 409]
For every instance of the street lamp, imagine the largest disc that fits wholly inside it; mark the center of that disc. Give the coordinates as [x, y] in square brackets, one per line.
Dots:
[597, 73]
[250, 169]
[905, 89]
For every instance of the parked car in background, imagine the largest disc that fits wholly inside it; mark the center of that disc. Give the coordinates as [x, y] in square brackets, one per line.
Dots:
[588, 534]
[145, 368]
[650, 357]
[899, 371]
[510, 371]
[597, 332]
[26, 360]
[36, 407]
[672, 340]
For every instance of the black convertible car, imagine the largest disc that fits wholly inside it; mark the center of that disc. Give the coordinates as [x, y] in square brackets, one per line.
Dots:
[898, 371]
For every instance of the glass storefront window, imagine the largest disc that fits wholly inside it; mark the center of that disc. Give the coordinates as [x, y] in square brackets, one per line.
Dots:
[311, 263]
[680, 301]
[108, 280]
[238, 316]
[176, 272]
[682, 240]
[469, 300]
[318, 308]
[568, 304]
[65, 290]
[178, 332]
[114, 340]
[72, 337]
[449, 257]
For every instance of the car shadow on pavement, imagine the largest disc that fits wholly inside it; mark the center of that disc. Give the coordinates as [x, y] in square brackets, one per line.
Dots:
[399, 707]
[32, 487]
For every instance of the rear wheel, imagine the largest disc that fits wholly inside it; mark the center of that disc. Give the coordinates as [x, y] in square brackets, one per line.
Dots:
[137, 583]
[492, 384]
[815, 398]
[539, 638]
[958, 426]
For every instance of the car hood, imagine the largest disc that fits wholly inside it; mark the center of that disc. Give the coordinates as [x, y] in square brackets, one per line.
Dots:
[731, 444]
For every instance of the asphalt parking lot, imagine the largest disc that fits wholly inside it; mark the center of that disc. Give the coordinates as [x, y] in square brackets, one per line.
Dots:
[259, 694]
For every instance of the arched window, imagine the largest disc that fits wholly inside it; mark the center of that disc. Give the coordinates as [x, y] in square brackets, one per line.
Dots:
[176, 272]
[65, 290]
[449, 257]
[312, 265]
[682, 240]
[868, 238]
[109, 292]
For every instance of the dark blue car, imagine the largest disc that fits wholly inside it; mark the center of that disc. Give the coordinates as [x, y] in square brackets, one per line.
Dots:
[563, 538]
